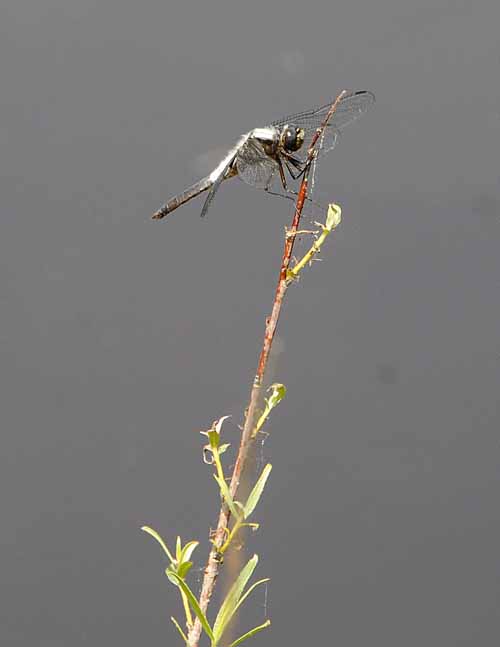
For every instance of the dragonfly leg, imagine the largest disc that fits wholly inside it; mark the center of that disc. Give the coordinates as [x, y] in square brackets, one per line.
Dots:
[298, 165]
[294, 175]
[282, 174]
[291, 195]
[281, 195]
[296, 193]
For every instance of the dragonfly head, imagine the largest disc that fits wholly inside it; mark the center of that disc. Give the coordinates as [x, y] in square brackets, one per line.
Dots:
[292, 138]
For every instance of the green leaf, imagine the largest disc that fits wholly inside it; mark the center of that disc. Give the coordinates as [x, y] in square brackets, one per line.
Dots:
[218, 423]
[254, 526]
[196, 607]
[249, 591]
[226, 495]
[183, 569]
[232, 599]
[158, 538]
[240, 506]
[184, 637]
[171, 573]
[334, 216]
[187, 551]
[250, 633]
[213, 438]
[224, 447]
[278, 393]
[257, 490]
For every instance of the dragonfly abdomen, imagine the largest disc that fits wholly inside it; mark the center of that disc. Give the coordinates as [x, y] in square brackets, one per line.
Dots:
[185, 196]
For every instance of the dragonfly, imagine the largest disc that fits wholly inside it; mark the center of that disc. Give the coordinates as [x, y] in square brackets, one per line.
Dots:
[263, 154]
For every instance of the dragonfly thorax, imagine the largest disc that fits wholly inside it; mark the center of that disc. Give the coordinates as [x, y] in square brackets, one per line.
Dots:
[292, 138]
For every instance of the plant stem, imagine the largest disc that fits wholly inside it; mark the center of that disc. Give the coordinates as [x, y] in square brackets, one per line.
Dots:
[214, 561]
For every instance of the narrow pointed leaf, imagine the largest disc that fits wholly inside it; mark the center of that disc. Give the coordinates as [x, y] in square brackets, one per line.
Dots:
[226, 494]
[258, 488]
[183, 569]
[195, 606]
[158, 538]
[231, 600]
[218, 423]
[248, 592]
[224, 447]
[250, 633]
[187, 551]
[172, 575]
[178, 549]
[184, 637]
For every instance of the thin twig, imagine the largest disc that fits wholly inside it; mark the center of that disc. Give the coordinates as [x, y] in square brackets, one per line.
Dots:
[214, 561]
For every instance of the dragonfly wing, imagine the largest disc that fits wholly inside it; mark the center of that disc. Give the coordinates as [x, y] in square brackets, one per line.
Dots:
[352, 105]
[223, 173]
[326, 142]
[254, 165]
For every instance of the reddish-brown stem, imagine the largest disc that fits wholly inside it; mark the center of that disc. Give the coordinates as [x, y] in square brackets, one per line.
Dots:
[213, 564]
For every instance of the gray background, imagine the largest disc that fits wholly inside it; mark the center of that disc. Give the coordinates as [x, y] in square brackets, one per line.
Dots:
[121, 337]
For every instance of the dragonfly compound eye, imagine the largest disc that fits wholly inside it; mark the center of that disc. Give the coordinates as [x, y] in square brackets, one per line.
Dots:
[293, 138]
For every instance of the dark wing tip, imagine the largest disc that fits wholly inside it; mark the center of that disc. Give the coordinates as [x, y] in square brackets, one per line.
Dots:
[366, 95]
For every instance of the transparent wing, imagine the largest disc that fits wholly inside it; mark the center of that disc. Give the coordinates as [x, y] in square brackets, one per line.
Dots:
[349, 108]
[254, 166]
[223, 175]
